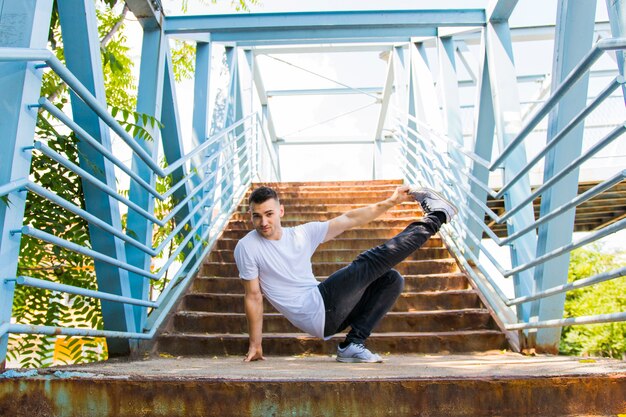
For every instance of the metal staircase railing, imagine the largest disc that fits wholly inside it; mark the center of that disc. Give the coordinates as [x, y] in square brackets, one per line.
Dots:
[424, 163]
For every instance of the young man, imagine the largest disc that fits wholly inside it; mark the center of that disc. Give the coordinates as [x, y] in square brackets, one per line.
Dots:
[277, 260]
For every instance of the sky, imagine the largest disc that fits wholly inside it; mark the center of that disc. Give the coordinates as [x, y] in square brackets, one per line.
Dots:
[299, 118]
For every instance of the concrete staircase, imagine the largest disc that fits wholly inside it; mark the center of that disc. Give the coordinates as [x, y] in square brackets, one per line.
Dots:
[437, 312]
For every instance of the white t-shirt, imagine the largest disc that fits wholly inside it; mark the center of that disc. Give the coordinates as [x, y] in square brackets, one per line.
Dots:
[285, 272]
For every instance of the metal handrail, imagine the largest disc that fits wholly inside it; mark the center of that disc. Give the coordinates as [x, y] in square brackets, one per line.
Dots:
[417, 144]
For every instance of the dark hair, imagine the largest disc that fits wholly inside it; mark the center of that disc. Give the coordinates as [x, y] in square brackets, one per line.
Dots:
[261, 195]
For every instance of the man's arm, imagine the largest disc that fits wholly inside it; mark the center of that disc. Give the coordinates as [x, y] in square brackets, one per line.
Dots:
[253, 303]
[363, 215]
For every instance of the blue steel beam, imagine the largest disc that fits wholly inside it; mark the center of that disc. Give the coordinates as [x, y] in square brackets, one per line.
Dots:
[325, 91]
[507, 115]
[201, 88]
[574, 36]
[451, 108]
[82, 55]
[20, 83]
[149, 101]
[483, 145]
[617, 19]
[173, 150]
[320, 25]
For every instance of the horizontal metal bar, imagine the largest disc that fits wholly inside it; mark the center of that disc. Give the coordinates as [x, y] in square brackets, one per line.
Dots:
[68, 331]
[580, 283]
[54, 286]
[452, 180]
[587, 195]
[323, 22]
[574, 75]
[4, 328]
[86, 137]
[12, 186]
[463, 170]
[600, 318]
[80, 90]
[210, 141]
[47, 237]
[324, 91]
[597, 147]
[46, 150]
[567, 248]
[612, 86]
[38, 189]
[179, 285]
[473, 156]
[24, 54]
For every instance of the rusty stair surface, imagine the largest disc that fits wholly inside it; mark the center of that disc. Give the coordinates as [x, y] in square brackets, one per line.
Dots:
[491, 383]
[438, 311]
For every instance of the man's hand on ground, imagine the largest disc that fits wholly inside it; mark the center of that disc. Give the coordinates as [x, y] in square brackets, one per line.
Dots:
[254, 354]
[400, 195]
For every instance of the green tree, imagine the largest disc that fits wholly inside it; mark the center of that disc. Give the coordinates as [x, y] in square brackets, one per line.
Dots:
[608, 297]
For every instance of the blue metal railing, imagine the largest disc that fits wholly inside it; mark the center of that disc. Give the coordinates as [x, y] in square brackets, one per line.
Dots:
[242, 147]
[423, 164]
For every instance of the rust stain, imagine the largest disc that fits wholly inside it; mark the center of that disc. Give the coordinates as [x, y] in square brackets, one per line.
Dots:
[39, 397]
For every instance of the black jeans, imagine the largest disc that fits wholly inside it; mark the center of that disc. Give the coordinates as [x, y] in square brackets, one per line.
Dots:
[360, 294]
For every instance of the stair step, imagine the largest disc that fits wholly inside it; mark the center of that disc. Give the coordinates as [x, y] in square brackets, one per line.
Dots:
[339, 255]
[397, 223]
[408, 301]
[437, 312]
[427, 321]
[193, 344]
[435, 266]
[365, 232]
[297, 216]
[412, 283]
[335, 207]
[329, 184]
[342, 242]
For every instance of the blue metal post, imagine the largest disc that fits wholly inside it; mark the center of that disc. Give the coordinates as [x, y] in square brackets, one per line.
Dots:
[483, 145]
[451, 107]
[20, 83]
[149, 101]
[574, 36]
[506, 103]
[617, 19]
[173, 142]
[201, 99]
[79, 28]
[402, 88]
[424, 96]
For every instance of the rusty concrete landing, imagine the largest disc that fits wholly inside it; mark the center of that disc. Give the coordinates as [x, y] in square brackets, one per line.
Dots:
[485, 384]
[325, 368]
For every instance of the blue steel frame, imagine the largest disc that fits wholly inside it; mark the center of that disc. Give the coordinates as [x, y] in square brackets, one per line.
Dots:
[208, 181]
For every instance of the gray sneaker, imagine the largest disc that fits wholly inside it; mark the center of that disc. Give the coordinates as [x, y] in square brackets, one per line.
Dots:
[430, 200]
[357, 353]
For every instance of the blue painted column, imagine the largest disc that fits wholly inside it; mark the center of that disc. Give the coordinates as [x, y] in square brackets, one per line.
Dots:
[451, 108]
[401, 81]
[617, 19]
[149, 101]
[201, 90]
[574, 36]
[20, 83]
[424, 95]
[483, 145]
[79, 28]
[506, 103]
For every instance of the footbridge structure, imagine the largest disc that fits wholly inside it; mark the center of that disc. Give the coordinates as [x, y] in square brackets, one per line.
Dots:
[521, 154]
